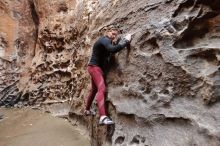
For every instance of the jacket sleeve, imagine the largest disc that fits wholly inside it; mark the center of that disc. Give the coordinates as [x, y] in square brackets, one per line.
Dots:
[113, 49]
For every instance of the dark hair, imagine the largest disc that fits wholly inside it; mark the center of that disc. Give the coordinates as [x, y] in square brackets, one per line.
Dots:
[109, 28]
[112, 27]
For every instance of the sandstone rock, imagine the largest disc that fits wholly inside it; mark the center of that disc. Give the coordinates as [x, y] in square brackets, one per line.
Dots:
[163, 91]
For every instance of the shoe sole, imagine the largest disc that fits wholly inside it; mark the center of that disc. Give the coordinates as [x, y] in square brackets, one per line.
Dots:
[102, 124]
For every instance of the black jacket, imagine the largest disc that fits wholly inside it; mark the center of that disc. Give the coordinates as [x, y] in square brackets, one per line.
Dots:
[102, 50]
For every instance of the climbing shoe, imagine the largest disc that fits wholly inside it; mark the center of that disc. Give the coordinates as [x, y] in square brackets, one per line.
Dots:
[89, 113]
[104, 120]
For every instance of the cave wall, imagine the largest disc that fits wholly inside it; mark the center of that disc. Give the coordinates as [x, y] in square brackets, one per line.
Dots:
[164, 91]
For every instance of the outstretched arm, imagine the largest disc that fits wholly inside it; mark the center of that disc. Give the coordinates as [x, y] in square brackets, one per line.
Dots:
[114, 49]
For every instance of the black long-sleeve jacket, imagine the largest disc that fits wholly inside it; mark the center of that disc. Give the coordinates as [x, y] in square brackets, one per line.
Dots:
[102, 49]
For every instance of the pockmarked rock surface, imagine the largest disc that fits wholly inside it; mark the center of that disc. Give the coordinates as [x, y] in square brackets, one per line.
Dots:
[163, 91]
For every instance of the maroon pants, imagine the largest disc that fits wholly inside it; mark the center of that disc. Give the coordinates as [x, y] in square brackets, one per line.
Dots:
[98, 89]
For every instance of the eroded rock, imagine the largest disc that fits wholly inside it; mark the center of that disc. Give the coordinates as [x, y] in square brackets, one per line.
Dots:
[163, 91]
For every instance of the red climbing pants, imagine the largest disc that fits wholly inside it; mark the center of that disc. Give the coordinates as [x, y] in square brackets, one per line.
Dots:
[98, 89]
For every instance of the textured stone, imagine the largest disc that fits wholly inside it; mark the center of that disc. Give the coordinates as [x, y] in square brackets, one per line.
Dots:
[163, 91]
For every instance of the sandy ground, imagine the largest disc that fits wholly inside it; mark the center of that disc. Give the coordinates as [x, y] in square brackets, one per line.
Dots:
[26, 127]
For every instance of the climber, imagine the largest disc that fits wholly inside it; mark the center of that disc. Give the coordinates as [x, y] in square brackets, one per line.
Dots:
[101, 51]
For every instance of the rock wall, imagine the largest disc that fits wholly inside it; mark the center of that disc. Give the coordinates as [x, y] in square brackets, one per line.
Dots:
[164, 91]
[18, 35]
